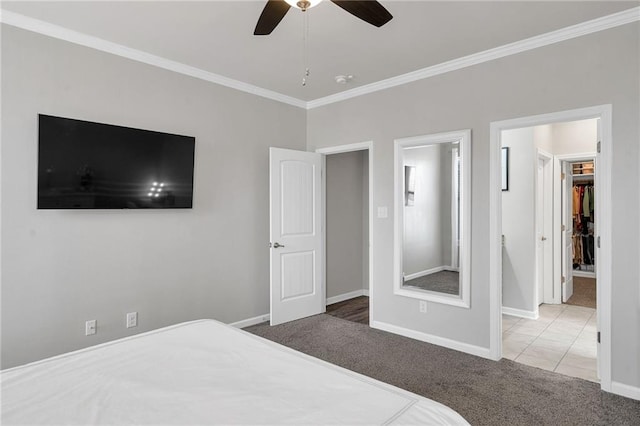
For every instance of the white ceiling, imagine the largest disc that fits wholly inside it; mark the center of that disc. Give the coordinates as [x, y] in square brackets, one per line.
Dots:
[217, 36]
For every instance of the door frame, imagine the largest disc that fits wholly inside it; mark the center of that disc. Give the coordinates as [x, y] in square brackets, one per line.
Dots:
[547, 194]
[338, 149]
[603, 226]
[558, 203]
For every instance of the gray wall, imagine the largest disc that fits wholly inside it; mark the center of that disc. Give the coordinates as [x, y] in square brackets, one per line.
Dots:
[591, 70]
[518, 225]
[347, 213]
[61, 268]
[575, 137]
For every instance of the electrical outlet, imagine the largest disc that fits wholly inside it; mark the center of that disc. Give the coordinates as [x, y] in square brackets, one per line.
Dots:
[90, 327]
[132, 319]
[423, 306]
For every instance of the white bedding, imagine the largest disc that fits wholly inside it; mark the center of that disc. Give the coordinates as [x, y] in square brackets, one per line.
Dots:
[204, 372]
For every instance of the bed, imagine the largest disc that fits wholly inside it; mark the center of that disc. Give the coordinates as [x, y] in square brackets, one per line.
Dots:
[203, 372]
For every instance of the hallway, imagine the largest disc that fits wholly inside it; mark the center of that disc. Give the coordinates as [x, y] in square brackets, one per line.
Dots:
[563, 340]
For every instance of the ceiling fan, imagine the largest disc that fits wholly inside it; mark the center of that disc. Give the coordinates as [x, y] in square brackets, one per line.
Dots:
[368, 10]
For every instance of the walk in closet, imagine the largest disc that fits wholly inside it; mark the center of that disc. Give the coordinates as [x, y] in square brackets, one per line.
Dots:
[583, 205]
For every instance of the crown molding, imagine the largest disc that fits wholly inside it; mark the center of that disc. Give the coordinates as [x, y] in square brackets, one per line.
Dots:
[61, 33]
[567, 33]
[573, 31]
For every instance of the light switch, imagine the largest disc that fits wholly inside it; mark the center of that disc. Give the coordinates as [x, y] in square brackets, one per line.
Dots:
[383, 212]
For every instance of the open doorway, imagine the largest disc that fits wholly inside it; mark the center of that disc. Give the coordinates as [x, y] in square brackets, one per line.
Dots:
[347, 232]
[548, 228]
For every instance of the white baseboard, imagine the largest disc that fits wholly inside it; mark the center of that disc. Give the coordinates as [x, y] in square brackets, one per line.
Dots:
[534, 315]
[629, 391]
[365, 292]
[346, 296]
[425, 272]
[436, 340]
[251, 321]
[584, 274]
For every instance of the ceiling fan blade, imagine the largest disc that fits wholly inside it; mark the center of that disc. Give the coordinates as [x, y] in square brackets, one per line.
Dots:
[271, 16]
[368, 10]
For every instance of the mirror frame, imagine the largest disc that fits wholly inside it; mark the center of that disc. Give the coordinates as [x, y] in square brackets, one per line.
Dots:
[463, 137]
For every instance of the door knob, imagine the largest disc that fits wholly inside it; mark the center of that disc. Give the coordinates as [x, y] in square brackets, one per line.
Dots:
[543, 239]
[277, 245]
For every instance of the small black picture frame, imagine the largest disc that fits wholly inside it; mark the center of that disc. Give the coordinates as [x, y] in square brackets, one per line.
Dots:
[505, 168]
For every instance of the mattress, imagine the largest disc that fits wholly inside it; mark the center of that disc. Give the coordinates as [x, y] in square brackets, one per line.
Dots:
[204, 372]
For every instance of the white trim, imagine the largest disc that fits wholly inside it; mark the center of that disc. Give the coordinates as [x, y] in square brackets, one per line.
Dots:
[573, 31]
[359, 146]
[61, 33]
[521, 313]
[628, 391]
[346, 296]
[251, 321]
[595, 25]
[337, 149]
[436, 340]
[603, 226]
[426, 272]
[323, 252]
[464, 263]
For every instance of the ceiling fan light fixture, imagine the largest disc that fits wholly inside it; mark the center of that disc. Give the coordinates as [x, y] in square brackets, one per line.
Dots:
[303, 4]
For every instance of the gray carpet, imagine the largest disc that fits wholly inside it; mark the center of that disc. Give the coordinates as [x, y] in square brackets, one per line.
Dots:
[484, 392]
[442, 282]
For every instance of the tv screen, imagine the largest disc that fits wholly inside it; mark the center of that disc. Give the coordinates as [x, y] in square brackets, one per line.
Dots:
[85, 165]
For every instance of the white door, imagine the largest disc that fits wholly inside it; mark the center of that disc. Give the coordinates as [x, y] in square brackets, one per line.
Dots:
[596, 233]
[567, 232]
[540, 237]
[297, 270]
[544, 228]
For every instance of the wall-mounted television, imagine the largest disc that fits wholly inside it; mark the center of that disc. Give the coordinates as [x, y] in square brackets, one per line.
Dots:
[85, 165]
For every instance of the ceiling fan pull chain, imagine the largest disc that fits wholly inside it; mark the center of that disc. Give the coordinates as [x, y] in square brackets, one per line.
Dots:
[305, 53]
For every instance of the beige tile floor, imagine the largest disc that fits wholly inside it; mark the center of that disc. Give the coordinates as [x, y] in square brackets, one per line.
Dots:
[563, 340]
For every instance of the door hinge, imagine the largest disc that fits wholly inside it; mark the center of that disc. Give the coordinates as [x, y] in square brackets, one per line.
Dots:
[598, 147]
[598, 337]
[598, 242]
[562, 280]
[562, 227]
[562, 176]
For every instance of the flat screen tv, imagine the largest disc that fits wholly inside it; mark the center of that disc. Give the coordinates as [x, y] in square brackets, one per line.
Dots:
[85, 165]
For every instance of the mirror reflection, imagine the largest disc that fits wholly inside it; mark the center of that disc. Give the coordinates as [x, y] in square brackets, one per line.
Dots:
[432, 218]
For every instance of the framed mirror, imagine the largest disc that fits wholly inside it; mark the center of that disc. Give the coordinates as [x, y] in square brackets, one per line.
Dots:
[432, 217]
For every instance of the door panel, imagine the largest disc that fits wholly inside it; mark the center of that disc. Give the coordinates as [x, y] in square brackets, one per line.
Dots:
[297, 287]
[297, 274]
[540, 254]
[297, 218]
